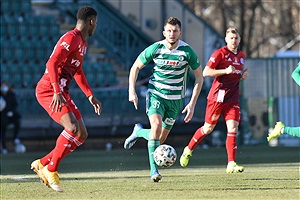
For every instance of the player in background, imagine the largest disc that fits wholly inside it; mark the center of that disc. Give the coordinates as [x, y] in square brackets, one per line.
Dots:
[166, 88]
[9, 115]
[280, 128]
[226, 65]
[52, 92]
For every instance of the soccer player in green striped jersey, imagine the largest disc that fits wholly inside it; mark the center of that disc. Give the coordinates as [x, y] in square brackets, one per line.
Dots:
[172, 59]
[280, 128]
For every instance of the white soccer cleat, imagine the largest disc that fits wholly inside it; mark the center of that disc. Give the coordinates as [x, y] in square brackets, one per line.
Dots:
[37, 167]
[156, 177]
[232, 167]
[131, 140]
[53, 179]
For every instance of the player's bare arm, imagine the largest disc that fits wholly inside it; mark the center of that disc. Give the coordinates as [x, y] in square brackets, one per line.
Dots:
[245, 74]
[190, 107]
[218, 72]
[134, 71]
[96, 103]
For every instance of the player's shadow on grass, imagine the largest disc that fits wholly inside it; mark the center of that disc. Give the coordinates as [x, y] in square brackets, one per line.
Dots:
[26, 179]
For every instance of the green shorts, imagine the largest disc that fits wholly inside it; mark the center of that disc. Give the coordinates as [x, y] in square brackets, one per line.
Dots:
[168, 109]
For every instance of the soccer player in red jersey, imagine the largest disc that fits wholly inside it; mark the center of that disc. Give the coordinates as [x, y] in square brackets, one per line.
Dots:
[52, 92]
[226, 65]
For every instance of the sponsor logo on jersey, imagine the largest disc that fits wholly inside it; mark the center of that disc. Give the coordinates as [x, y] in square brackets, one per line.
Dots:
[167, 62]
[81, 49]
[236, 61]
[180, 58]
[238, 71]
[242, 60]
[65, 45]
[170, 121]
[212, 59]
[75, 62]
[236, 107]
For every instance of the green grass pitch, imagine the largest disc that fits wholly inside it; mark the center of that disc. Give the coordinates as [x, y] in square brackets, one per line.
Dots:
[270, 173]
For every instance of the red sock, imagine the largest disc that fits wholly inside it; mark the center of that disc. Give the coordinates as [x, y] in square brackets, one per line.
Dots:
[197, 138]
[76, 143]
[64, 145]
[231, 146]
[46, 159]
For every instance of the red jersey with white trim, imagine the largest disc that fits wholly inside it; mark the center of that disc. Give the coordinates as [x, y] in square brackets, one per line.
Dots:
[225, 88]
[65, 63]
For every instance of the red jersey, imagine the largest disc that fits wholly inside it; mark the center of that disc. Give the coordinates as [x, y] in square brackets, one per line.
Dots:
[65, 63]
[225, 88]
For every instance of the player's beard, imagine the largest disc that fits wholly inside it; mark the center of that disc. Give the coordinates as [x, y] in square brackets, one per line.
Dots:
[172, 43]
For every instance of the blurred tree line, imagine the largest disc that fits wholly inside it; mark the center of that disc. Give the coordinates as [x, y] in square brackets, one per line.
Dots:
[266, 26]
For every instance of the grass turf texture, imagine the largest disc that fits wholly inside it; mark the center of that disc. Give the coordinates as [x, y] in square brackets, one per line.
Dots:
[270, 173]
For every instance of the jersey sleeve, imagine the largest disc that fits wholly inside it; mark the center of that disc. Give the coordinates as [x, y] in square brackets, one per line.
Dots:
[82, 82]
[147, 55]
[65, 45]
[193, 59]
[214, 59]
[296, 74]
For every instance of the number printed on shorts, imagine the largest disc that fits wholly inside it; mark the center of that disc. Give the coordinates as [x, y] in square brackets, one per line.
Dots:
[155, 104]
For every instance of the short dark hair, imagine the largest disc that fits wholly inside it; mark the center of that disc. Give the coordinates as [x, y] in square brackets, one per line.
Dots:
[85, 12]
[173, 21]
[232, 30]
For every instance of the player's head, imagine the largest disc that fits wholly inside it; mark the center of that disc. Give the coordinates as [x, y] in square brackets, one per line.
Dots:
[172, 30]
[5, 87]
[232, 38]
[88, 16]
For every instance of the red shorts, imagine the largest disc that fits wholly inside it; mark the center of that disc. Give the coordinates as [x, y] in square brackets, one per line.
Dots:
[44, 97]
[230, 111]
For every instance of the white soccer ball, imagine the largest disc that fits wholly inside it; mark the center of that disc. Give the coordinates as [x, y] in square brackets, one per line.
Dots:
[165, 155]
[20, 148]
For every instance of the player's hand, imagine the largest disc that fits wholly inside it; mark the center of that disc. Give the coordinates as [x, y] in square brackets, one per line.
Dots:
[96, 103]
[230, 69]
[189, 110]
[57, 102]
[134, 99]
[245, 74]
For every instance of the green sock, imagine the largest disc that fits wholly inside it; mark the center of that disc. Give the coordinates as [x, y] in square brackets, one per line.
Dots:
[152, 144]
[143, 133]
[293, 131]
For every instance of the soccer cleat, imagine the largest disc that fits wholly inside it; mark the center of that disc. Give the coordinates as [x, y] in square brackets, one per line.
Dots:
[53, 179]
[185, 157]
[276, 131]
[131, 140]
[156, 177]
[37, 167]
[232, 167]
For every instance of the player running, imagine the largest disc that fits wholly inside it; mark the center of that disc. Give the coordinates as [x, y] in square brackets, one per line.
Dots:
[52, 92]
[166, 88]
[226, 65]
[280, 128]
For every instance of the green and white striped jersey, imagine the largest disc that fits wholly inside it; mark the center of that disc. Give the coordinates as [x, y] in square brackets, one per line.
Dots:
[171, 68]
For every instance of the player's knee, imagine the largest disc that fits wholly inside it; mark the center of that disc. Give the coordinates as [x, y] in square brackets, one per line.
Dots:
[82, 134]
[207, 129]
[73, 127]
[233, 130]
